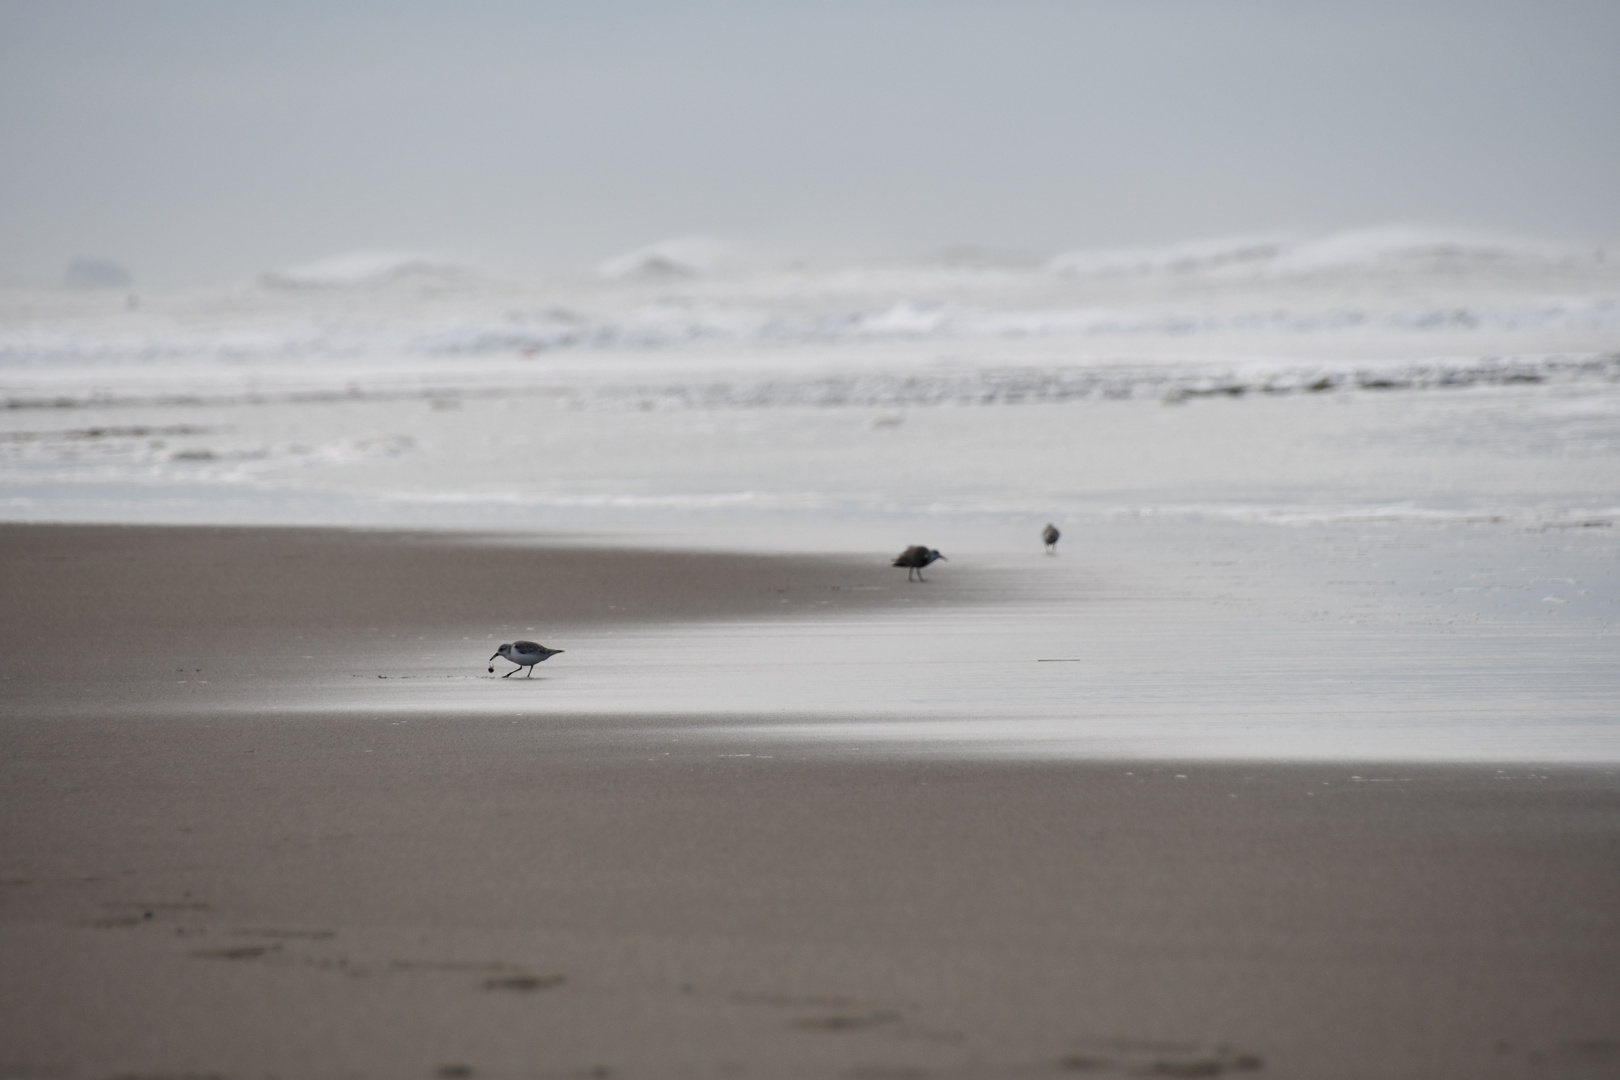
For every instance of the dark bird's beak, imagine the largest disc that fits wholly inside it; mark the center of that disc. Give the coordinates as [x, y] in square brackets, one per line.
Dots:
[497, 653]
[943, 559]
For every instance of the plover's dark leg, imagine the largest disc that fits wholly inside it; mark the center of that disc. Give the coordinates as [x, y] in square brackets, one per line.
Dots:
[530, 675]
[508, 674]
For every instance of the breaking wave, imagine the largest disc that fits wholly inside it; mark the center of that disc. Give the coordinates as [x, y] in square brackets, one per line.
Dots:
[672, 325]
[1366, 250]
[1022, 385]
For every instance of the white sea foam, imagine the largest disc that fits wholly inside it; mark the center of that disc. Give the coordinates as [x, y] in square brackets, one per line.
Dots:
[1363, 289]
[407, 385]
[358, 268]
[675, 323]
[1370, 251]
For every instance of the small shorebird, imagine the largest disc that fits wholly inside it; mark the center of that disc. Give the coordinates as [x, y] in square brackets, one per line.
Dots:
[523, 654]
[914, 558]
[1049, 537]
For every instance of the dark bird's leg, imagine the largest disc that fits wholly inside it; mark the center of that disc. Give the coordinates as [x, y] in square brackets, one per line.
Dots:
[508, 675]
[530, 675]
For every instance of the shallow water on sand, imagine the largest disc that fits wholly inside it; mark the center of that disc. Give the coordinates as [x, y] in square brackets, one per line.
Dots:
[1148, 639]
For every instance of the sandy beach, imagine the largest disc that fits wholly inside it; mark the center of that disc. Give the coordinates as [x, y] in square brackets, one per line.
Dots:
[219, 886]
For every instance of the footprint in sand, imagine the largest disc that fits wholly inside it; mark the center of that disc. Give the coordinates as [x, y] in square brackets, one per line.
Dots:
[525, 983]
[239, 952]
[1153, 1058]
[847, 1021]
[288, 935]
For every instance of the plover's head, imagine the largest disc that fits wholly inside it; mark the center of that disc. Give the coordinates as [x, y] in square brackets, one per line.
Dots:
[504, 650]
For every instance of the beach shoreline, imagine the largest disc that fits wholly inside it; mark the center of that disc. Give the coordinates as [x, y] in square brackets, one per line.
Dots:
[222, 886]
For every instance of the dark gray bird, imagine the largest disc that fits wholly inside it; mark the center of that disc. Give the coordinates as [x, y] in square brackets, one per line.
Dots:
[525, 654]
[1049, 537]
[914, 558]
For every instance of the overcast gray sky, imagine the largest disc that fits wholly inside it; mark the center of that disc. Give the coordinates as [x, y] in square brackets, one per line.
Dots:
[205, 140]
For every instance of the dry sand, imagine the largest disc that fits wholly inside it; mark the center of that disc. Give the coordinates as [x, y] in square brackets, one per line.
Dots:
[246, 893]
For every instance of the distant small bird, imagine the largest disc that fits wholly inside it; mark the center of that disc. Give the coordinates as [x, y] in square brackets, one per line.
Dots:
[914, 558]
[525, 654]
[1049, 537]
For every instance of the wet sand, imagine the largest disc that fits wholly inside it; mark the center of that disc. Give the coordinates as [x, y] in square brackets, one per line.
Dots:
[246, 893]
[117, 616]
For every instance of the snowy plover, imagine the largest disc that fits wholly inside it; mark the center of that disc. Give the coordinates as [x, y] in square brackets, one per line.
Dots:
[1049, 537]
[914, 558]
[523, 654]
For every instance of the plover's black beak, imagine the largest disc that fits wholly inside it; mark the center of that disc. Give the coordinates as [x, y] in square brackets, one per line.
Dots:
[943, 559]
[497, 653]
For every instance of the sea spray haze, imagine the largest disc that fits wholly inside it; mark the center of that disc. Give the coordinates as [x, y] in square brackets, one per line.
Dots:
[194, 143]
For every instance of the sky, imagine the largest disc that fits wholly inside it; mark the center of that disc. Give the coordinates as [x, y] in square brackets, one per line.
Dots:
[209, 141]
